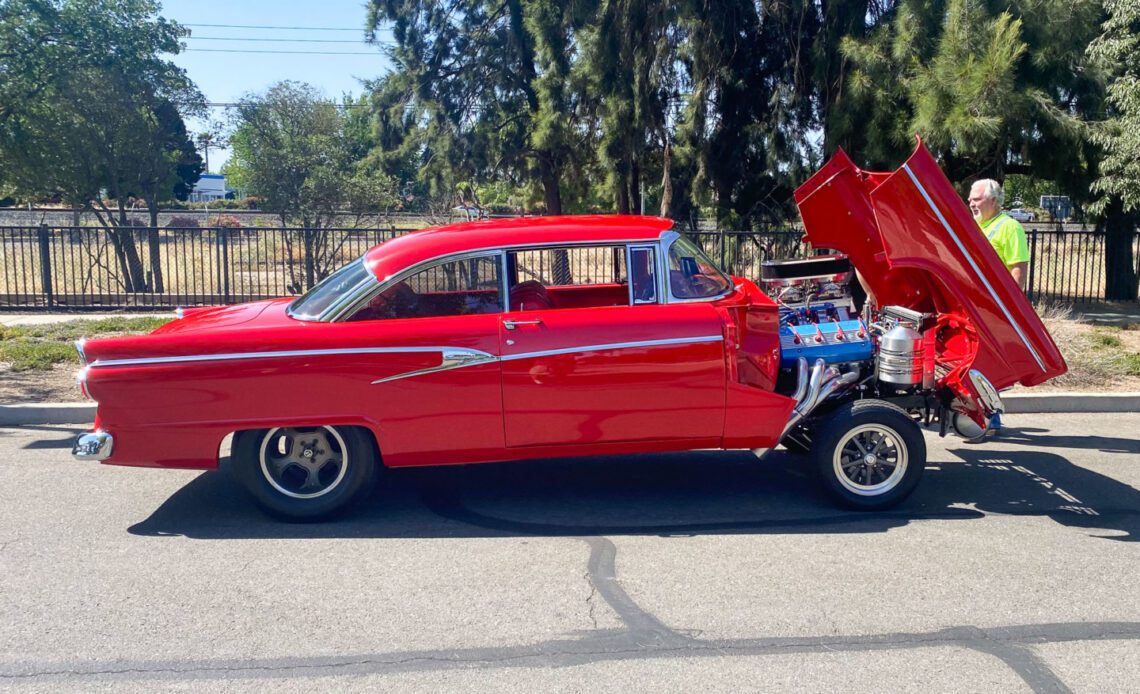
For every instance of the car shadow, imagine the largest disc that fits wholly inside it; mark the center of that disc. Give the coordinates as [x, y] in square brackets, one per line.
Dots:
[667, 494]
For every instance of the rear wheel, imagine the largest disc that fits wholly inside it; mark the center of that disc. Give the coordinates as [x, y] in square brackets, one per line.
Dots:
[305, 473]
[870, 454]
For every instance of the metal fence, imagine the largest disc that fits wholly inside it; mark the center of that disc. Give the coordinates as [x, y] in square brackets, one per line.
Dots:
[74, 268]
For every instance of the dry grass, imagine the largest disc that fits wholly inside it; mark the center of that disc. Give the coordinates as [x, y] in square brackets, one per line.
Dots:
[1099, 357]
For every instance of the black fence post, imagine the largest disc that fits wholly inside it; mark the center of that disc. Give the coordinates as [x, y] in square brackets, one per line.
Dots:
[1032, 263]
[226, 264]
[44, 238]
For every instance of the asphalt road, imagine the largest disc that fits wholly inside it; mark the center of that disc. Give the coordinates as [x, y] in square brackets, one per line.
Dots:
[1014, 567]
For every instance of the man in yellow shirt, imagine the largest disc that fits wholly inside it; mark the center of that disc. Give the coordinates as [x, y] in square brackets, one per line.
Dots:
[1005, 233]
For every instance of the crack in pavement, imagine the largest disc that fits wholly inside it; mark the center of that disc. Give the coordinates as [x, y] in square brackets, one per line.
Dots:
[1009, 644]
[644, 637]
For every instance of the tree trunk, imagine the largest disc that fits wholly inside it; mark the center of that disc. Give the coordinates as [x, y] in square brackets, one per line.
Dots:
[154, 249]
[622, 193]
[552, 195]
[1119, 267]
[134, 277]
[635, 188]
[666, 182]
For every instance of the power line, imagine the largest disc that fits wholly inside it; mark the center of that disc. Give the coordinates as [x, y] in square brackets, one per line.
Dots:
[255, 26]
[237, 38]
[235, 50]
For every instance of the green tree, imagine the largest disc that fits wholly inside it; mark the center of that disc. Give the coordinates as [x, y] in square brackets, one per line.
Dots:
[293, 148]
[89, 105]
[484, 85]
[1117, 51]
[993, 87]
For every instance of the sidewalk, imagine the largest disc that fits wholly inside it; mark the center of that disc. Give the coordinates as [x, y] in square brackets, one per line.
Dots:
[14, 319]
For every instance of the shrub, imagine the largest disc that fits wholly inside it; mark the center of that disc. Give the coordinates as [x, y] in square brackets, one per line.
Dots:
[225, 221]
[183, 222]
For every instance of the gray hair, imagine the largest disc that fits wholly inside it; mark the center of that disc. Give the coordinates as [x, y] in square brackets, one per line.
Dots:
[990, 189]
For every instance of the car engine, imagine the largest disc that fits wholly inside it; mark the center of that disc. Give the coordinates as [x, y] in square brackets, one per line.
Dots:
[829, 350]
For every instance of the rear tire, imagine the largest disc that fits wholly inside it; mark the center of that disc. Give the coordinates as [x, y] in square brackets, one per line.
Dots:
[305, 474]
[870, 455]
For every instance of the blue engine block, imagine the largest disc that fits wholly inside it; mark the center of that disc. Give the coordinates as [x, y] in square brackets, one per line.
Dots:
[832, 341]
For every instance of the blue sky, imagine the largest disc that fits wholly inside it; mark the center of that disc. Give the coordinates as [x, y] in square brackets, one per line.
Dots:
[224, 77]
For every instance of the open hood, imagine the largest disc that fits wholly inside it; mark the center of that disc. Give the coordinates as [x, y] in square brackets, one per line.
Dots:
[915, 244]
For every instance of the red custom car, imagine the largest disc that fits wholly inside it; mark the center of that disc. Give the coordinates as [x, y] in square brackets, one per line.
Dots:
[530, 338]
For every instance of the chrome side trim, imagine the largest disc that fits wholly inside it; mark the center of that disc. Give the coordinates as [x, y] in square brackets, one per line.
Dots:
[452, 358]
[977, 270]
[613, 345]
[94, 445]
[455, 351]
[154, 361]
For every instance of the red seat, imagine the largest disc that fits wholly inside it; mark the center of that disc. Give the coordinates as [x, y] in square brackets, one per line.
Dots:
[529, 296]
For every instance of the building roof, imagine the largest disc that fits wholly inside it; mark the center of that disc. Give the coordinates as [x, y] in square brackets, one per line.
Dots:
[413, 248]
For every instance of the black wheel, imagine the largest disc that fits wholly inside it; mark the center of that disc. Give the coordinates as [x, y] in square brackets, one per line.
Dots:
[870, 454]
[305, 473]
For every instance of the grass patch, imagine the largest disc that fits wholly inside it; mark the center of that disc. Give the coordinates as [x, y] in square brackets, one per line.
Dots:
[1105, 341]
[40, 347]
[1097, 357]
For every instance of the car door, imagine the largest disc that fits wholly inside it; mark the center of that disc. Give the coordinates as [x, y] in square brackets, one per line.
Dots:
[638, 370]
[432, 343]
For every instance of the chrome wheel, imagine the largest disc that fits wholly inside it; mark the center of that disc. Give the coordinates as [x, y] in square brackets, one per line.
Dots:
[303, 463]
[870, 460]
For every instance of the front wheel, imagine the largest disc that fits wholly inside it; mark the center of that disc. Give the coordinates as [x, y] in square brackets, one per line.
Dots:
[305, 473]
[870, 455]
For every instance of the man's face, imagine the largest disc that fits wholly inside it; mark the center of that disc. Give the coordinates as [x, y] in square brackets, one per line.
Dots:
[981, 207]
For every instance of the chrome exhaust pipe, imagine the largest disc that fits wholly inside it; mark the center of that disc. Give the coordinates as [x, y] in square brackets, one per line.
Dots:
[824, 383]
[801, 380]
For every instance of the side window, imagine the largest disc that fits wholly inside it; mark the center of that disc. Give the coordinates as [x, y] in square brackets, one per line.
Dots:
[642, 275]
[692, 275]
[572, 277]
[451, 288]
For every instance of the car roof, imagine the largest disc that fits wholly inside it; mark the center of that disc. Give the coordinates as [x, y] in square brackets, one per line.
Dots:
[416, 247]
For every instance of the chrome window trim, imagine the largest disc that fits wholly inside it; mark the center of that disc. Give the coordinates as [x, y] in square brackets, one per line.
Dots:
[668, 238]
[350, 306]
[504, 266]
[654, 249]
[612, 346]
[309, 318]
[328, 317]
[977, 270]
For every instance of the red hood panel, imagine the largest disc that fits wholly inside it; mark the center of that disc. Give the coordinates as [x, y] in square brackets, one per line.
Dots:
[916, 245]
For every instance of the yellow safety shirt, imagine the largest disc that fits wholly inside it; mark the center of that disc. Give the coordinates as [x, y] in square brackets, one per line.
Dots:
[1007, 237]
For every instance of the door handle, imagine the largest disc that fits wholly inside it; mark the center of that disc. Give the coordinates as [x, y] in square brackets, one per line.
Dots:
[512, 324]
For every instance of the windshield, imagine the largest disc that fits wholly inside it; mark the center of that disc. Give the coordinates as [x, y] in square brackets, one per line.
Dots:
[691, 274]
[330, 290]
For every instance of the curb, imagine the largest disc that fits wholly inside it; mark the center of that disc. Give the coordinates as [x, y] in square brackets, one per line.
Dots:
[1043, 403]
[1015, 403]
[47, 413]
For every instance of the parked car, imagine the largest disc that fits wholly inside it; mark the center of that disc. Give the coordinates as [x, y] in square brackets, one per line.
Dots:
[1022, 215]
[569, 336]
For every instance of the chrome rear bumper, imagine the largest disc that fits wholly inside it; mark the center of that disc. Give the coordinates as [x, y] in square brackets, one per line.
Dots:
[95, 445]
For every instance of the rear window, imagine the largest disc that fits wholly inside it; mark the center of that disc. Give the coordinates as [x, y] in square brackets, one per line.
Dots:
[329, 290]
